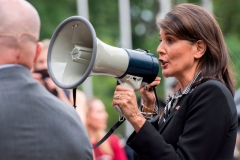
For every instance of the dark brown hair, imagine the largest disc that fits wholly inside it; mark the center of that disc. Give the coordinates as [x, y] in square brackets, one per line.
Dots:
[191, 22]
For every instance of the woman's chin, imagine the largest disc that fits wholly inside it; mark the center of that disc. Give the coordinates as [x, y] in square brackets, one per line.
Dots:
[166, 74]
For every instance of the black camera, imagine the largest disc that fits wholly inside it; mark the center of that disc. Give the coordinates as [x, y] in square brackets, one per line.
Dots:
[43, 72]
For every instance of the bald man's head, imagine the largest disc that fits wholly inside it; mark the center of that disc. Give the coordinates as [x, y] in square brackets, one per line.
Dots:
[19, 16]
[19, 33]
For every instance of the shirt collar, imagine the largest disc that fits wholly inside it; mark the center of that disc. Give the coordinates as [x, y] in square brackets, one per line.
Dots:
[188, 89]
[9, 65]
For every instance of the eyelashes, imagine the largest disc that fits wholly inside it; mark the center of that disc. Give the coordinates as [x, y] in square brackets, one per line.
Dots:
[168, 40]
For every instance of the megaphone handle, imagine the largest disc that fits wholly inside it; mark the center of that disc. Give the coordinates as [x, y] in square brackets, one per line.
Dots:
[119, 111]
[117, 107]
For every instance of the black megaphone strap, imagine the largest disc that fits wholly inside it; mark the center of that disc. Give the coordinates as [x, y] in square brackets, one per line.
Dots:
[119, 122]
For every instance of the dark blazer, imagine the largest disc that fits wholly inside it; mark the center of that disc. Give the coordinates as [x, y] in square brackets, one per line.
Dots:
[34, 124]
[202, 126]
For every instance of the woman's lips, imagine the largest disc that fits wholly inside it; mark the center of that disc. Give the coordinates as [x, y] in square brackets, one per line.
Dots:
[163, 64]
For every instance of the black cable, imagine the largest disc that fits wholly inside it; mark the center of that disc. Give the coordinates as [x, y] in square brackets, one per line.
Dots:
[74, 98]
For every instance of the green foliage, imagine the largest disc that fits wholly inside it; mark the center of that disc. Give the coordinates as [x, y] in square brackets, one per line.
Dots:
[104, 17]
[228, 15]
[52, 13]
[233, 42]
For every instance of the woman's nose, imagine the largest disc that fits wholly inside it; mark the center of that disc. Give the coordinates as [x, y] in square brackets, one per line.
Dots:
[160, 49]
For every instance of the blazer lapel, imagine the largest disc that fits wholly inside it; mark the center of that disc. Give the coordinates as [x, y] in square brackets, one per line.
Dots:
[162, 124]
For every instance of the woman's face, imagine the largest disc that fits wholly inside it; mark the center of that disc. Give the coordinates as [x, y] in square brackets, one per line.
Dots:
[176, 56]
[97, 116]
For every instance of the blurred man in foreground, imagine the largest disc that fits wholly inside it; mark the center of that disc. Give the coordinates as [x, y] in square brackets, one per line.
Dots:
[34, 123]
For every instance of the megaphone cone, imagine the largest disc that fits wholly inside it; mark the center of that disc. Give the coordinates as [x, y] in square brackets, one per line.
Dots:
[75, 53]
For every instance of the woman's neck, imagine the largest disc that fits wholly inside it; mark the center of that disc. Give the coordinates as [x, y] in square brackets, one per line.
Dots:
[184, 82]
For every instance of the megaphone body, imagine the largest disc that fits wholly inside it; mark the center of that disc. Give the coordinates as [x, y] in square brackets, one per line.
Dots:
[75, 53]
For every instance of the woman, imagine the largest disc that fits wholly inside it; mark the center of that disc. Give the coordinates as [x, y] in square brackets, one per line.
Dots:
[200, 119]
[96, 124]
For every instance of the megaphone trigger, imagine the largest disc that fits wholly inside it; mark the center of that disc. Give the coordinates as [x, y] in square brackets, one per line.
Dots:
[131, 81]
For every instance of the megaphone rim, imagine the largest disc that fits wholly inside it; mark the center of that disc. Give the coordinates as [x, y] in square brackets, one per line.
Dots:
[91, 64]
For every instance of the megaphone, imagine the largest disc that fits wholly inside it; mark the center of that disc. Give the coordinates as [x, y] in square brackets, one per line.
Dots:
[75, 53]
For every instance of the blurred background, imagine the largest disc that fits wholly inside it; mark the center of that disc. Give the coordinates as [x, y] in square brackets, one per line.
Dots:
[132, 24]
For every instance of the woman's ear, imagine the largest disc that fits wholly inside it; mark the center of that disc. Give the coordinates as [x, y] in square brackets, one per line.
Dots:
[201, 48]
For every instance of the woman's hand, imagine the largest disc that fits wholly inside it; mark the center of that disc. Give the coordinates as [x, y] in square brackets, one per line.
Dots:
[125, 98]
[147, 93]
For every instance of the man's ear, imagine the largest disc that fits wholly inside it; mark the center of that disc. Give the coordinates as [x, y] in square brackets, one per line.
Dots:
[201, 48]
[38, 51]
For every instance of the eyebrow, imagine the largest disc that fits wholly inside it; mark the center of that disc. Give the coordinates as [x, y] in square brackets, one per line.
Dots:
[166, 34]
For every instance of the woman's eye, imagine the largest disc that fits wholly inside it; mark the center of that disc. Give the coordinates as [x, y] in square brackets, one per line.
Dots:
[170, 40]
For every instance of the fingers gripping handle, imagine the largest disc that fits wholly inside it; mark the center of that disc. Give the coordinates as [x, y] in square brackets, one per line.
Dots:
[133, 82]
